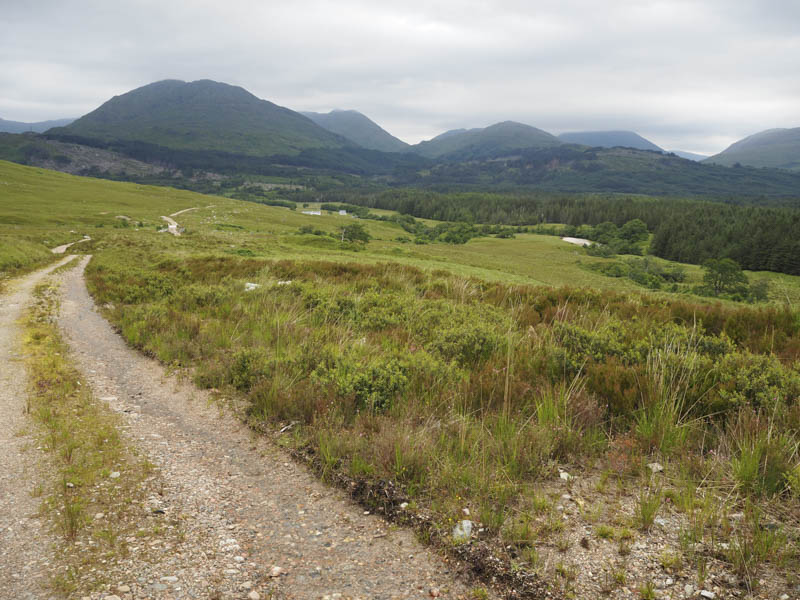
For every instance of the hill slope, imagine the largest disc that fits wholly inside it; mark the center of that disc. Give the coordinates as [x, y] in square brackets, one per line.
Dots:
[37, 127]
[202, 115]
[485, 143]
[779, 148]
[569, 168]
[358, 128]
[608, 139]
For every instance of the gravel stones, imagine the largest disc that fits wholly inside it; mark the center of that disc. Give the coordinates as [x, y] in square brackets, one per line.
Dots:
[26, 559]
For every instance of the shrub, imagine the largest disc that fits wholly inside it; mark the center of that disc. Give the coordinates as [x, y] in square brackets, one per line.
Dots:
[372, 385]
[248, 366]
[756, 380]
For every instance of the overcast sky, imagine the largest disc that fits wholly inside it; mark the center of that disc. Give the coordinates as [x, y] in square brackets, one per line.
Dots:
[692, 75]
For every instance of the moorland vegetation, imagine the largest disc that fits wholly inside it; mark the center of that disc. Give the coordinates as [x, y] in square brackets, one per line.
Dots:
[446, 368]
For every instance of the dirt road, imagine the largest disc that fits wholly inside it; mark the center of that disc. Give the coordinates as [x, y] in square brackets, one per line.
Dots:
[172, 226]
[25, 544]
[63, 247]
[256, 523]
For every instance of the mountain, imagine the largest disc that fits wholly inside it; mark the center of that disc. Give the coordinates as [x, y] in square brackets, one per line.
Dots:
[579, 169]
[201, 115]
[38, 127]
[608, 139]
[358, 128]
[689, 155]
[779, 148]
[487, 142]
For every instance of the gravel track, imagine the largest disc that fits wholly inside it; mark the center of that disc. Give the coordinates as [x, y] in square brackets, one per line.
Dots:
[256, 523]
[26, 560]
[172, 226]
[63, 247]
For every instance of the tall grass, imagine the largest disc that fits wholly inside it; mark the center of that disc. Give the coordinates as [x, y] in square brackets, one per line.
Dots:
[464, 393]
[667, 413]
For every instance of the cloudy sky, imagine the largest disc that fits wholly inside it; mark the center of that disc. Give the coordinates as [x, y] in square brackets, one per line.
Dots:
[692, 75]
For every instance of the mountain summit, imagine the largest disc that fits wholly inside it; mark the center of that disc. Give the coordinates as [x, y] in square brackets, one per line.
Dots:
[202, 115]
[466, 144]
[358, 128]
[608, 139]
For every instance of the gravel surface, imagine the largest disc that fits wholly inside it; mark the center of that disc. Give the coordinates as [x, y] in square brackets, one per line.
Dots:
[172, 226]
[25, 544]
[254, 522]
[63, 247]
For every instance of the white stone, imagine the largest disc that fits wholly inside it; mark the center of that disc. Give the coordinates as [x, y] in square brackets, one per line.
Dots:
[249, 287]
[276, 571]
[254, 595]
[123, 589]
[463, 530]
[655, 467]
[707, 594]
[114, 474]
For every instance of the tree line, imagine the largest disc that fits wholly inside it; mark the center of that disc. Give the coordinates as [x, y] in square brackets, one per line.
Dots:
[693, 231]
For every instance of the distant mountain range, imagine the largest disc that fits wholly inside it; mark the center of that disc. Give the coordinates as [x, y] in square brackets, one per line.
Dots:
[225, 129]
[202, 115]
[609, 139]
[621, 139]
[358, 128]
[777, 148]
[690, 155]
[38, 127]
[487, 142]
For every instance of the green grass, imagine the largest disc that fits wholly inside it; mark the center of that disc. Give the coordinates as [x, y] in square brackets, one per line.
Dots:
[81, 438]
[450, 370]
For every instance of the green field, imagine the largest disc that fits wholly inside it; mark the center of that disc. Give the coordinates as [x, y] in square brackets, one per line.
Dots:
[467, 374]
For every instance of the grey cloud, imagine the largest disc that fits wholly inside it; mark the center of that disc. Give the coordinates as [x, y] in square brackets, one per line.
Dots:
[694, 75]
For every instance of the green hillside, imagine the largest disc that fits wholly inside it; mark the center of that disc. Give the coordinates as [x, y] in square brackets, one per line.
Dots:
[608, 139]
[387, 356]
[570, 168]
[358, 128]
[778, 148]
[482, 143]
[202, 115]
